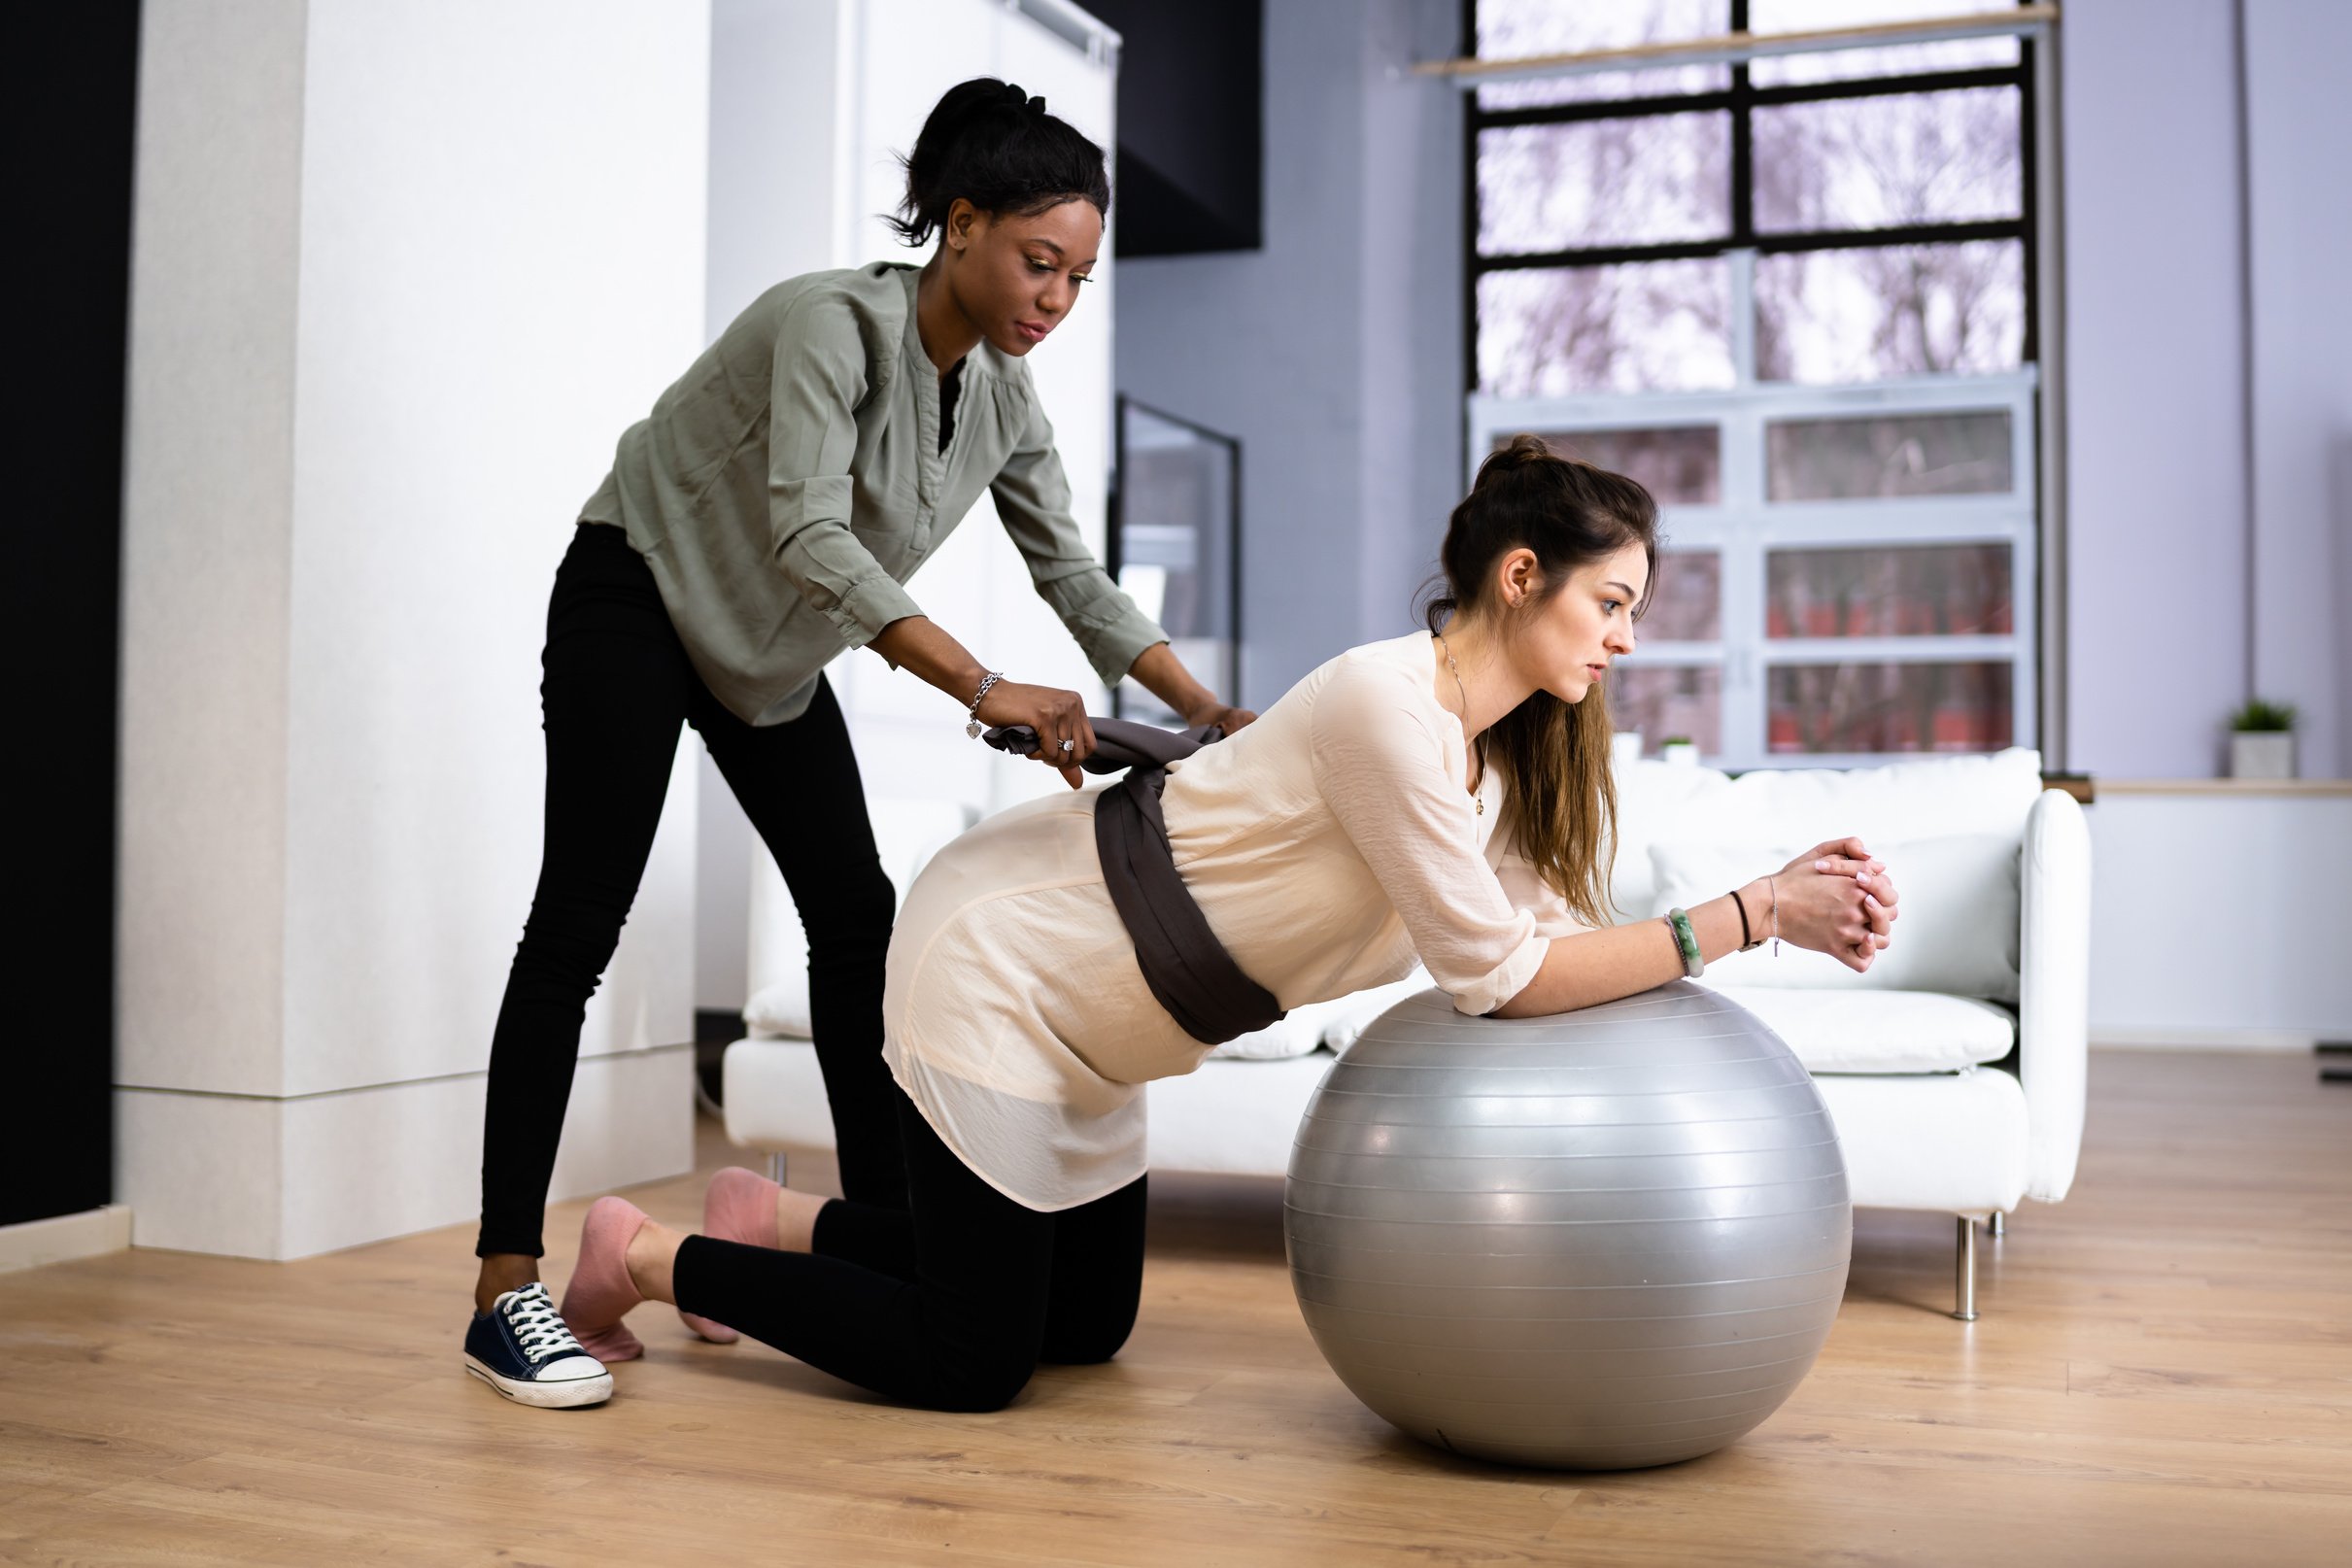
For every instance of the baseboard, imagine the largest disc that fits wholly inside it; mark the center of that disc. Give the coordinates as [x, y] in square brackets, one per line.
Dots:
[2203, 1039]
[87, 1235]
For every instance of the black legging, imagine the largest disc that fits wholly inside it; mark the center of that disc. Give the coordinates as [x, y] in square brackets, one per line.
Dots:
[950, 1305]
[617, 686]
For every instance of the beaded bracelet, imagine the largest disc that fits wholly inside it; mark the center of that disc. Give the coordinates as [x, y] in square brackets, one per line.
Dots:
[1685, 943]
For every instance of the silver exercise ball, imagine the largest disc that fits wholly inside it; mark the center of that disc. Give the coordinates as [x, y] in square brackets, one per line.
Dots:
[1594, 1241]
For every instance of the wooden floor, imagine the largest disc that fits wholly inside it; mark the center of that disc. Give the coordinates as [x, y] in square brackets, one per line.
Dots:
[2163, 1373]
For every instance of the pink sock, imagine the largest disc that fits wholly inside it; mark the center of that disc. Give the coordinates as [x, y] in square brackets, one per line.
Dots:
[600, 1292]
[739, 1206]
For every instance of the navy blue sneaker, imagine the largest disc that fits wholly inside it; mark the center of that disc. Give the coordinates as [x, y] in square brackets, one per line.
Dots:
[522, 1349]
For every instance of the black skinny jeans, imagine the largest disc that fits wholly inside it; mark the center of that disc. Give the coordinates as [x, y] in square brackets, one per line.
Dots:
[617, 686]
[949, 1306]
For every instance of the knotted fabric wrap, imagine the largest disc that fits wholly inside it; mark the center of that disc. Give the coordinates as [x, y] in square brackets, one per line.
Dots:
[1185, 965]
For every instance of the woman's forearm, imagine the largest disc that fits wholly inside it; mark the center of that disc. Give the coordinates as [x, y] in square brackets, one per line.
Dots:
[1593, 966]
[922, 645]
[1163, 674]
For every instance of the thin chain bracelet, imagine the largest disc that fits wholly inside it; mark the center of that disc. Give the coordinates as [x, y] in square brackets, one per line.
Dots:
[1774, 883]
[973, 729]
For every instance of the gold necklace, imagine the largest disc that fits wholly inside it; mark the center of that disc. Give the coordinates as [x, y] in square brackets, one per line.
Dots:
[1480, 798]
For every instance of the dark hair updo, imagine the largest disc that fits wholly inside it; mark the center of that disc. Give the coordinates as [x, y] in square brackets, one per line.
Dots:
[996, 146]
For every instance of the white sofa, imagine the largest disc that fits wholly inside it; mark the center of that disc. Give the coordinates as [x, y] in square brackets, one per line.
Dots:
[1955, 1068]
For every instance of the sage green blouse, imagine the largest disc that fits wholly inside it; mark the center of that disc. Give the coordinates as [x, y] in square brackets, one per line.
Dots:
[790, 482]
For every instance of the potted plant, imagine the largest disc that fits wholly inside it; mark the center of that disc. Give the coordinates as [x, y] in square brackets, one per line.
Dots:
[1680, 750]
[2261, 740]
[1624, 749]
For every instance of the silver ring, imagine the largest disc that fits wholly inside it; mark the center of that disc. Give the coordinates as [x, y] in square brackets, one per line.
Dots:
[1070, 745]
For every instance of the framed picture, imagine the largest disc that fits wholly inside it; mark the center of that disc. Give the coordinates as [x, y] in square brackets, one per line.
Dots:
[1176, 547]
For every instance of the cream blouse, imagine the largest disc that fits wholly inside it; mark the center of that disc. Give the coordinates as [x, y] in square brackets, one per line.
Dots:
[1330, 844]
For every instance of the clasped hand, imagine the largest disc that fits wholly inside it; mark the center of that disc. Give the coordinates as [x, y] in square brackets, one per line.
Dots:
[1836, 898]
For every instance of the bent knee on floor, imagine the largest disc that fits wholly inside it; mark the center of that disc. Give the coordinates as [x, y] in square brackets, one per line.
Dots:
[1087, 1347]
[979, 1390]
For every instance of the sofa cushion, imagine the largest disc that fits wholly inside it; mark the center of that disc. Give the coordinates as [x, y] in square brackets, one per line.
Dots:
[1881, 1030]
[1956, 930]
[1660, 804]
[1297, 1033]
[1333, 1024]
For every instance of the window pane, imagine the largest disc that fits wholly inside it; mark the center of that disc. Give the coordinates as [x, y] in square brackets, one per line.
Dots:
[1888, 707]
[1667, 703]
[1646, 327]
[1886, 310]
[1687, 601]
[1917, 591]
[1884, 163]
[1841, 65]
[1680, 465]
[1514, 29]
[1604, 182]
[1960, 454]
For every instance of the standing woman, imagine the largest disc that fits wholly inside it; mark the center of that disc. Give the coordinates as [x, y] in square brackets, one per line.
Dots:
[763, 520]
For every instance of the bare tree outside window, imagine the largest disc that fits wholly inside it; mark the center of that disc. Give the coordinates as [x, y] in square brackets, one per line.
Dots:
[1516, 29]
[1678, 255]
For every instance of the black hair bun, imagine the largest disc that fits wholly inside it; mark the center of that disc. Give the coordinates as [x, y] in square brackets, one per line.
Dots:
[995, 146]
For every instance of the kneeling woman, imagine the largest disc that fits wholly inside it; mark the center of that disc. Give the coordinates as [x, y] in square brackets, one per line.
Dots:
[1445, 797]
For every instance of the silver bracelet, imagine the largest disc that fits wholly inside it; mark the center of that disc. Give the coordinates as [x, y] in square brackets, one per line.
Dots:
[988, 680]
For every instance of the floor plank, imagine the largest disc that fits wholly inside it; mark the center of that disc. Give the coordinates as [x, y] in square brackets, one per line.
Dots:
[2163, 1373]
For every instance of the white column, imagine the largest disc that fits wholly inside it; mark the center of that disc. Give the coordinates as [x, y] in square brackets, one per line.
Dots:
[401, 275]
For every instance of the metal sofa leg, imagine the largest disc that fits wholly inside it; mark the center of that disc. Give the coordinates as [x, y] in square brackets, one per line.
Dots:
[1999, 1224]
[776, 1168]
[1964, 1271]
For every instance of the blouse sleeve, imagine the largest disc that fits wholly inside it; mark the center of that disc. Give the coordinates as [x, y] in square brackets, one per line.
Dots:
[1033, 500]
[817, 381]
[1525, 886]
[1379, 764]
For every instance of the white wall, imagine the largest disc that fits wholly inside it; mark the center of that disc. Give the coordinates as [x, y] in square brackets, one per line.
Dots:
[2299, 124]
[2183, 600]
[2206, 925]
[1334, 351]
[2156, 542]
[385, 332]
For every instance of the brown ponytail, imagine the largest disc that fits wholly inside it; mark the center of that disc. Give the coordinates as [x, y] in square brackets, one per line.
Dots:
[1561, 806]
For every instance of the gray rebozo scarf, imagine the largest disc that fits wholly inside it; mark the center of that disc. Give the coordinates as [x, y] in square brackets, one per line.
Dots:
[1187, 969]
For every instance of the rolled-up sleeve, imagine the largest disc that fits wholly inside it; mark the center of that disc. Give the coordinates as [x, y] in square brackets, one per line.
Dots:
[819, 379]
[1033, 500]
[1382, 768]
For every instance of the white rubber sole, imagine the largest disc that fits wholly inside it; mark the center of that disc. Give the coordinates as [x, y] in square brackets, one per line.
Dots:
[570, 1394]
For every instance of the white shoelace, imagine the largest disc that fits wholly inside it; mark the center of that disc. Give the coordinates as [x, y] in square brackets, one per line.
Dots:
[539, 1327]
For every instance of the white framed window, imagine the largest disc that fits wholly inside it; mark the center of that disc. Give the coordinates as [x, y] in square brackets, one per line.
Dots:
[1792, 297]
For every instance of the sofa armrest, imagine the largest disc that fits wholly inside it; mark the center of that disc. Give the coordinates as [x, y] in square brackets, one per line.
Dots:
[2054, 988]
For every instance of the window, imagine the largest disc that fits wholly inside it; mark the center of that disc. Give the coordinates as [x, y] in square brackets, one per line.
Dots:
[1791, 296]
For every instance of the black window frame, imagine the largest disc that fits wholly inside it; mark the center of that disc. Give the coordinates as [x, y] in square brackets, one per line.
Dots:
[1741, 98]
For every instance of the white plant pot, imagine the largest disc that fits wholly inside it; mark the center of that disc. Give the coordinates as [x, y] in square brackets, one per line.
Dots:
[1684, 755]
[2261, 754]
[1626, 749]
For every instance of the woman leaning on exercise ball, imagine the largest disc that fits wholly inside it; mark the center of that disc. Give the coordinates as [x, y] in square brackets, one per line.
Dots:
[1441, 798]
[763, 519]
